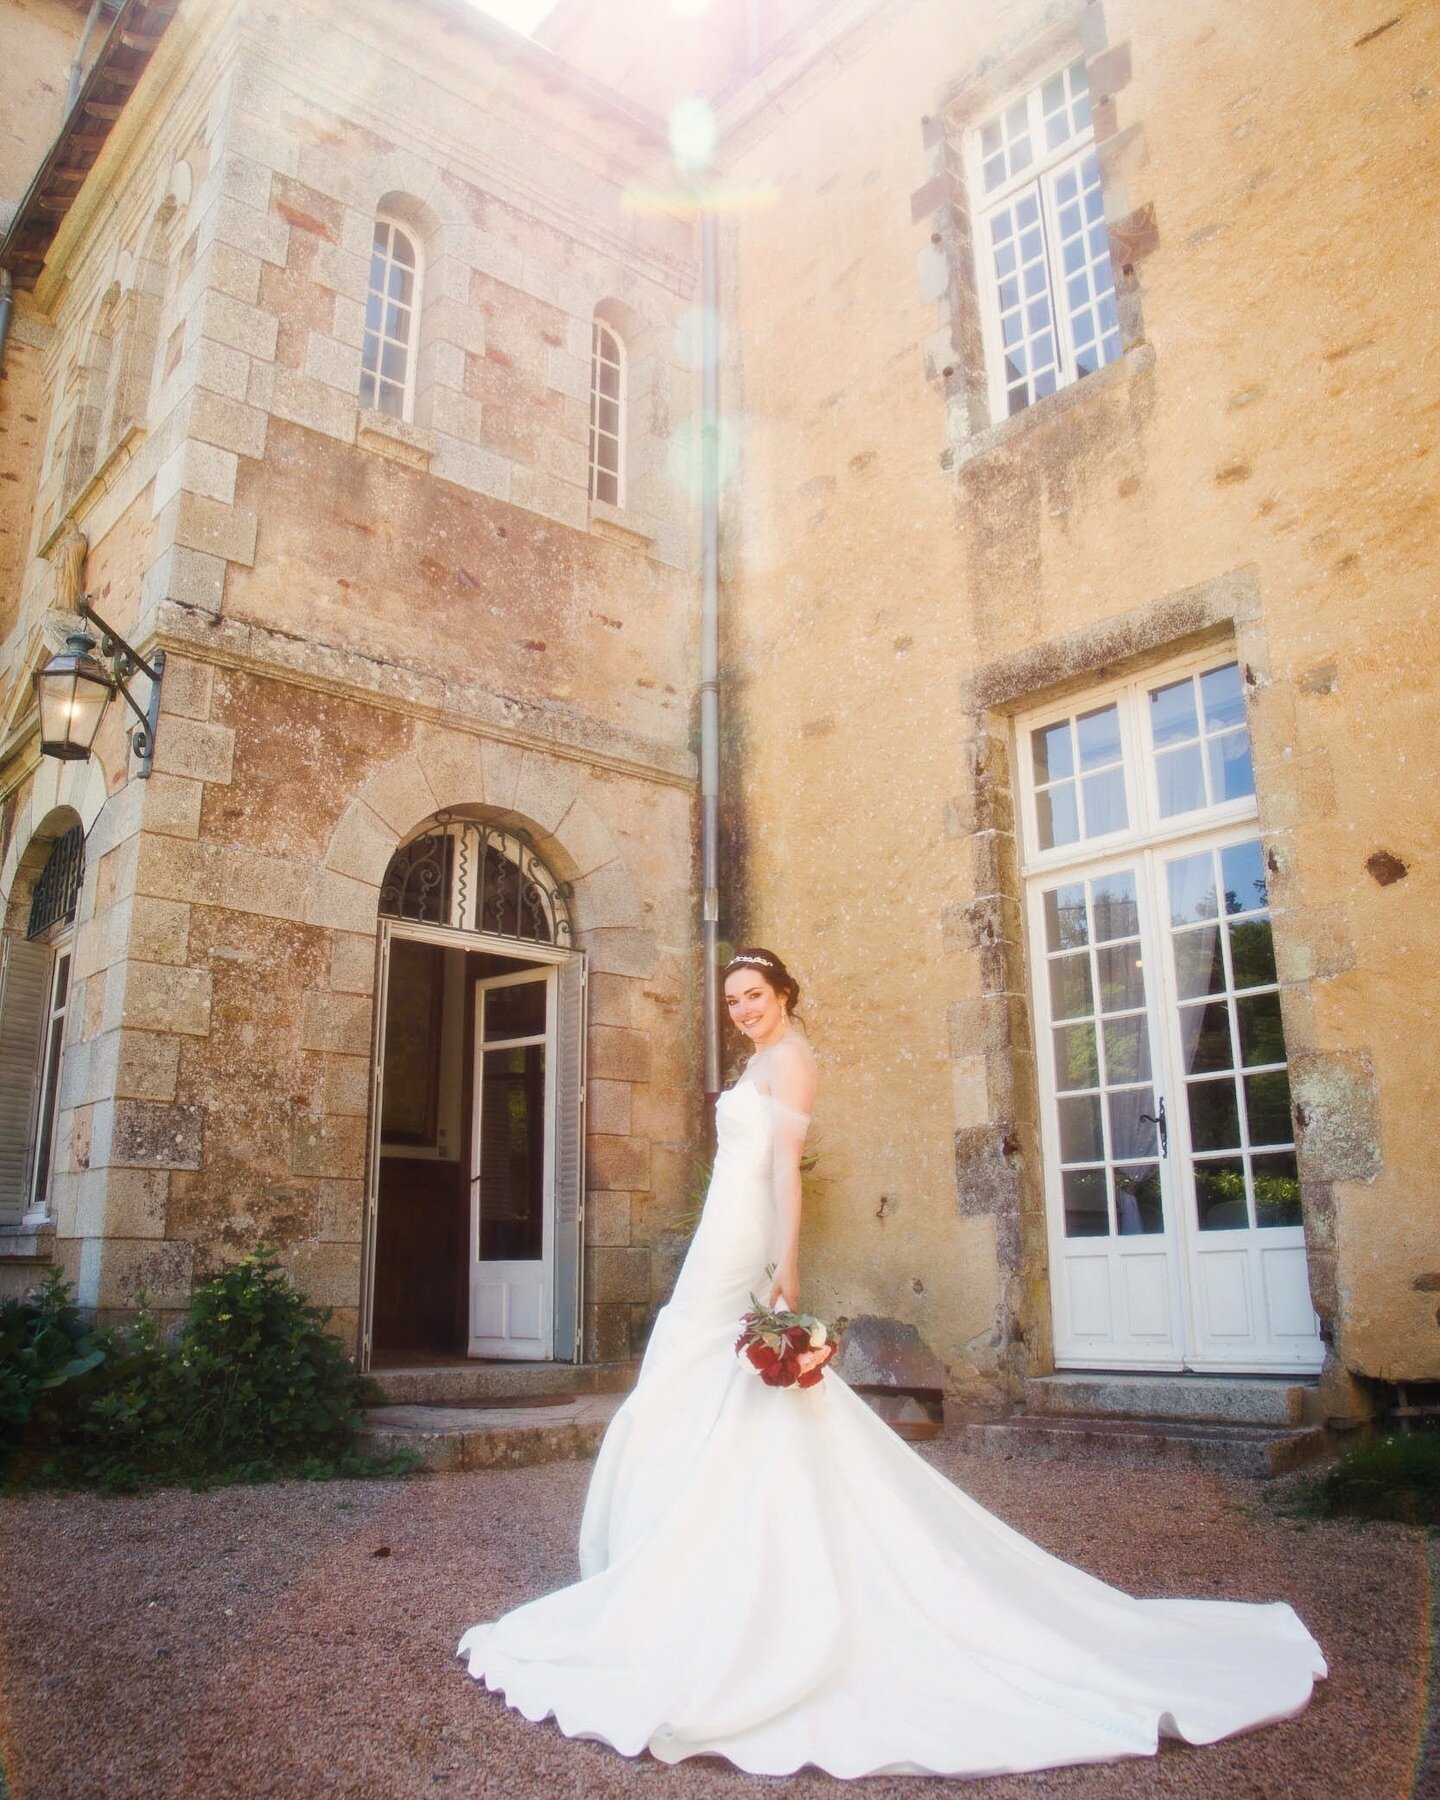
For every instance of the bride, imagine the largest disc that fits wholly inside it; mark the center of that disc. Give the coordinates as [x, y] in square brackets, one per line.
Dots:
[772, 1576]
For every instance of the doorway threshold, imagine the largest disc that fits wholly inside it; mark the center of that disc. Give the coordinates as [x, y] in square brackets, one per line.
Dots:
[467, 1381]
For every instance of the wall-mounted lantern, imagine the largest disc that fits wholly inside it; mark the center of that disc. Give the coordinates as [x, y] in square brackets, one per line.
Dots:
[74, 688]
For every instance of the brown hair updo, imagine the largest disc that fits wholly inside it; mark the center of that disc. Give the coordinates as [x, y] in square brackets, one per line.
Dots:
[771, 970]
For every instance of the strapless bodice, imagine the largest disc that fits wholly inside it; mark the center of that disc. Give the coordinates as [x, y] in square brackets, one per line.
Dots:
[745, 1130]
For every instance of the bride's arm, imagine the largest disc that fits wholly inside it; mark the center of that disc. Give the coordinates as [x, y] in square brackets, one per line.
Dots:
[792, 1087]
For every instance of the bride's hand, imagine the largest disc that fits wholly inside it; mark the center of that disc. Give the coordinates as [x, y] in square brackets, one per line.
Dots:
[783, 1294]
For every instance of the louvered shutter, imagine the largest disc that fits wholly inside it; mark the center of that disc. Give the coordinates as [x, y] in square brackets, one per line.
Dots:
[24, 990]
[569, 1154]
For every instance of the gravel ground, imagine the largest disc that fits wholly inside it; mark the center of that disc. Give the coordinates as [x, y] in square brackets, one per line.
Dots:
[297, 1640]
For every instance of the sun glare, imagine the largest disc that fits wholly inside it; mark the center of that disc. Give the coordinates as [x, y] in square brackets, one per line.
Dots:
[520, 15]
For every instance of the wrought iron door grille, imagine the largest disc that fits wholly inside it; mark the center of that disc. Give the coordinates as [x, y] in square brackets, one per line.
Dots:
[58, 889]
[477, 878]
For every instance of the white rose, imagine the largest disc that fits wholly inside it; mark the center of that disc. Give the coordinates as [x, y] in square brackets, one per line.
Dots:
[818, 1339]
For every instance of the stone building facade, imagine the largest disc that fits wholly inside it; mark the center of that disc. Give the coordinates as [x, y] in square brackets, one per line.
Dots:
[386, 625]
[1078, 660]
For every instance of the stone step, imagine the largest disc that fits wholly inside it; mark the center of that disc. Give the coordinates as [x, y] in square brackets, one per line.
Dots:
[1223, 1448]
[473, 1383]
[1218, 1399]
[449, 1439]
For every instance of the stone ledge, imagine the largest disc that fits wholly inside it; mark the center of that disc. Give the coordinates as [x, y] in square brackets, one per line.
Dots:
[411, 445]
[621, 525]
[1139, 359]
[28, 1243]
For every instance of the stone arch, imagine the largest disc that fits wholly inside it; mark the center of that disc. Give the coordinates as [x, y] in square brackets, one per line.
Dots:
[135, 332]
[73, 794]
[77, 447]
[29, 864]
[498, 783]
[416, 215]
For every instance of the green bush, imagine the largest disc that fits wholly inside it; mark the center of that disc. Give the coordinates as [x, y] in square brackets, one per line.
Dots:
[253, 1387]
[1382, 1478]
[43, 1344]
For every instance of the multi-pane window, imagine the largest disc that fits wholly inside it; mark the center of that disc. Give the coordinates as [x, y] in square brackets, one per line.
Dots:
[607, 415]
[1202, 747]
[1105, 1101]
[387, 368]
[1237, 1091]
[1181, 751]
[1041, 244]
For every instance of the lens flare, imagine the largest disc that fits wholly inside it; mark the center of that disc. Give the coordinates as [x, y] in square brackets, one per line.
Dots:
[693, 133]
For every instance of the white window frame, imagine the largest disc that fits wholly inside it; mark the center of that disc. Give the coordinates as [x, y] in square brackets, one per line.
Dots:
[411, 344]
[1039, 173]
[618, 363]
[1145, 825]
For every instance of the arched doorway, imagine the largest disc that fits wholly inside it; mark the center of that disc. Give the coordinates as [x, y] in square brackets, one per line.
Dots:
[473, 1203]
[36, 946]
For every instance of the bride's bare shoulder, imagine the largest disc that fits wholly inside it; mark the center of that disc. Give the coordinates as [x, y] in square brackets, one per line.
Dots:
[791, 1072]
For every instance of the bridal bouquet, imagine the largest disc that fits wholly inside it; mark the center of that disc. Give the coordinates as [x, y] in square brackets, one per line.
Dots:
[786, 1349]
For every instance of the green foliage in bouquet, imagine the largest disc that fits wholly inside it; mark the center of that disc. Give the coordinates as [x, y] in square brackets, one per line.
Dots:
[252, 1388]
[787, 1348]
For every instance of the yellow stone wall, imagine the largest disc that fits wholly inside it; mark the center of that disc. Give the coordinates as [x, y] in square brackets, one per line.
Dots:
[1263, 453]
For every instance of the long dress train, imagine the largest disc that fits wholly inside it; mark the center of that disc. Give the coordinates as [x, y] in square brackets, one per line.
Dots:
[772, 1576]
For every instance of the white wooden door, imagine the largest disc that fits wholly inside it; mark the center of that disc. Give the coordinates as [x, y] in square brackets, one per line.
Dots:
[512, 1185]
[1172, 1185]
[1231, 1134]
[1115, 1234]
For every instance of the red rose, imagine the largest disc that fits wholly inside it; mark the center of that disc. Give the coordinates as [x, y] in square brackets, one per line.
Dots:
[798, 1337]
[809, 1378]
[762, 1356]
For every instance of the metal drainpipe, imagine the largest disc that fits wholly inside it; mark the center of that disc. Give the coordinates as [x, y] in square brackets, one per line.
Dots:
[7, 304]
[77, 68]
[710, 642]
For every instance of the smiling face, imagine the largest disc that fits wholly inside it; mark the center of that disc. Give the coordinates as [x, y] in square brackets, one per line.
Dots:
[754, 1006]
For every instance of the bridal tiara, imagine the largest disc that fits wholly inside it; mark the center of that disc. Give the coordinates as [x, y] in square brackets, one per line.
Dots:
[748, 962]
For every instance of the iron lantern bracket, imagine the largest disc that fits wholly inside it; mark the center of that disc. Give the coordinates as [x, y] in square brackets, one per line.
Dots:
[124, 660]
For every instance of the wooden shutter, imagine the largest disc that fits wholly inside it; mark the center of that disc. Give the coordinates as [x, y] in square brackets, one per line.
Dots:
[569, 1154]
[24, 991]
[364, 1346]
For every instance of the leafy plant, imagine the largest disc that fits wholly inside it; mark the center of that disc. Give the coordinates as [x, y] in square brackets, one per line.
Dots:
[43, 1344]
[252, 1387]
[1395, 1477]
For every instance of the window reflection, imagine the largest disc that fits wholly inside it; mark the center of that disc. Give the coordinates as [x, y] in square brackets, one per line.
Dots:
[1087, 1212]
[1138, 1208]
[1220, 1195]
[1201, 742]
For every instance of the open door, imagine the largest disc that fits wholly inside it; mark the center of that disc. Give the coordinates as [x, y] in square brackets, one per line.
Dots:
[512, 1167]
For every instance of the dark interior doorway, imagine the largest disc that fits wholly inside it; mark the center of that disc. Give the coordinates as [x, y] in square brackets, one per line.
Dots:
[422, 1227]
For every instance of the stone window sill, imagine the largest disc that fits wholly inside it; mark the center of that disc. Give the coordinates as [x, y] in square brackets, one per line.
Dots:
[384, 435]
[28, 1241]
[1138, 359]
[621, 524]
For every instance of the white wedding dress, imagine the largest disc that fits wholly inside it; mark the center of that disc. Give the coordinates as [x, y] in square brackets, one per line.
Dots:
[772, 1576]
